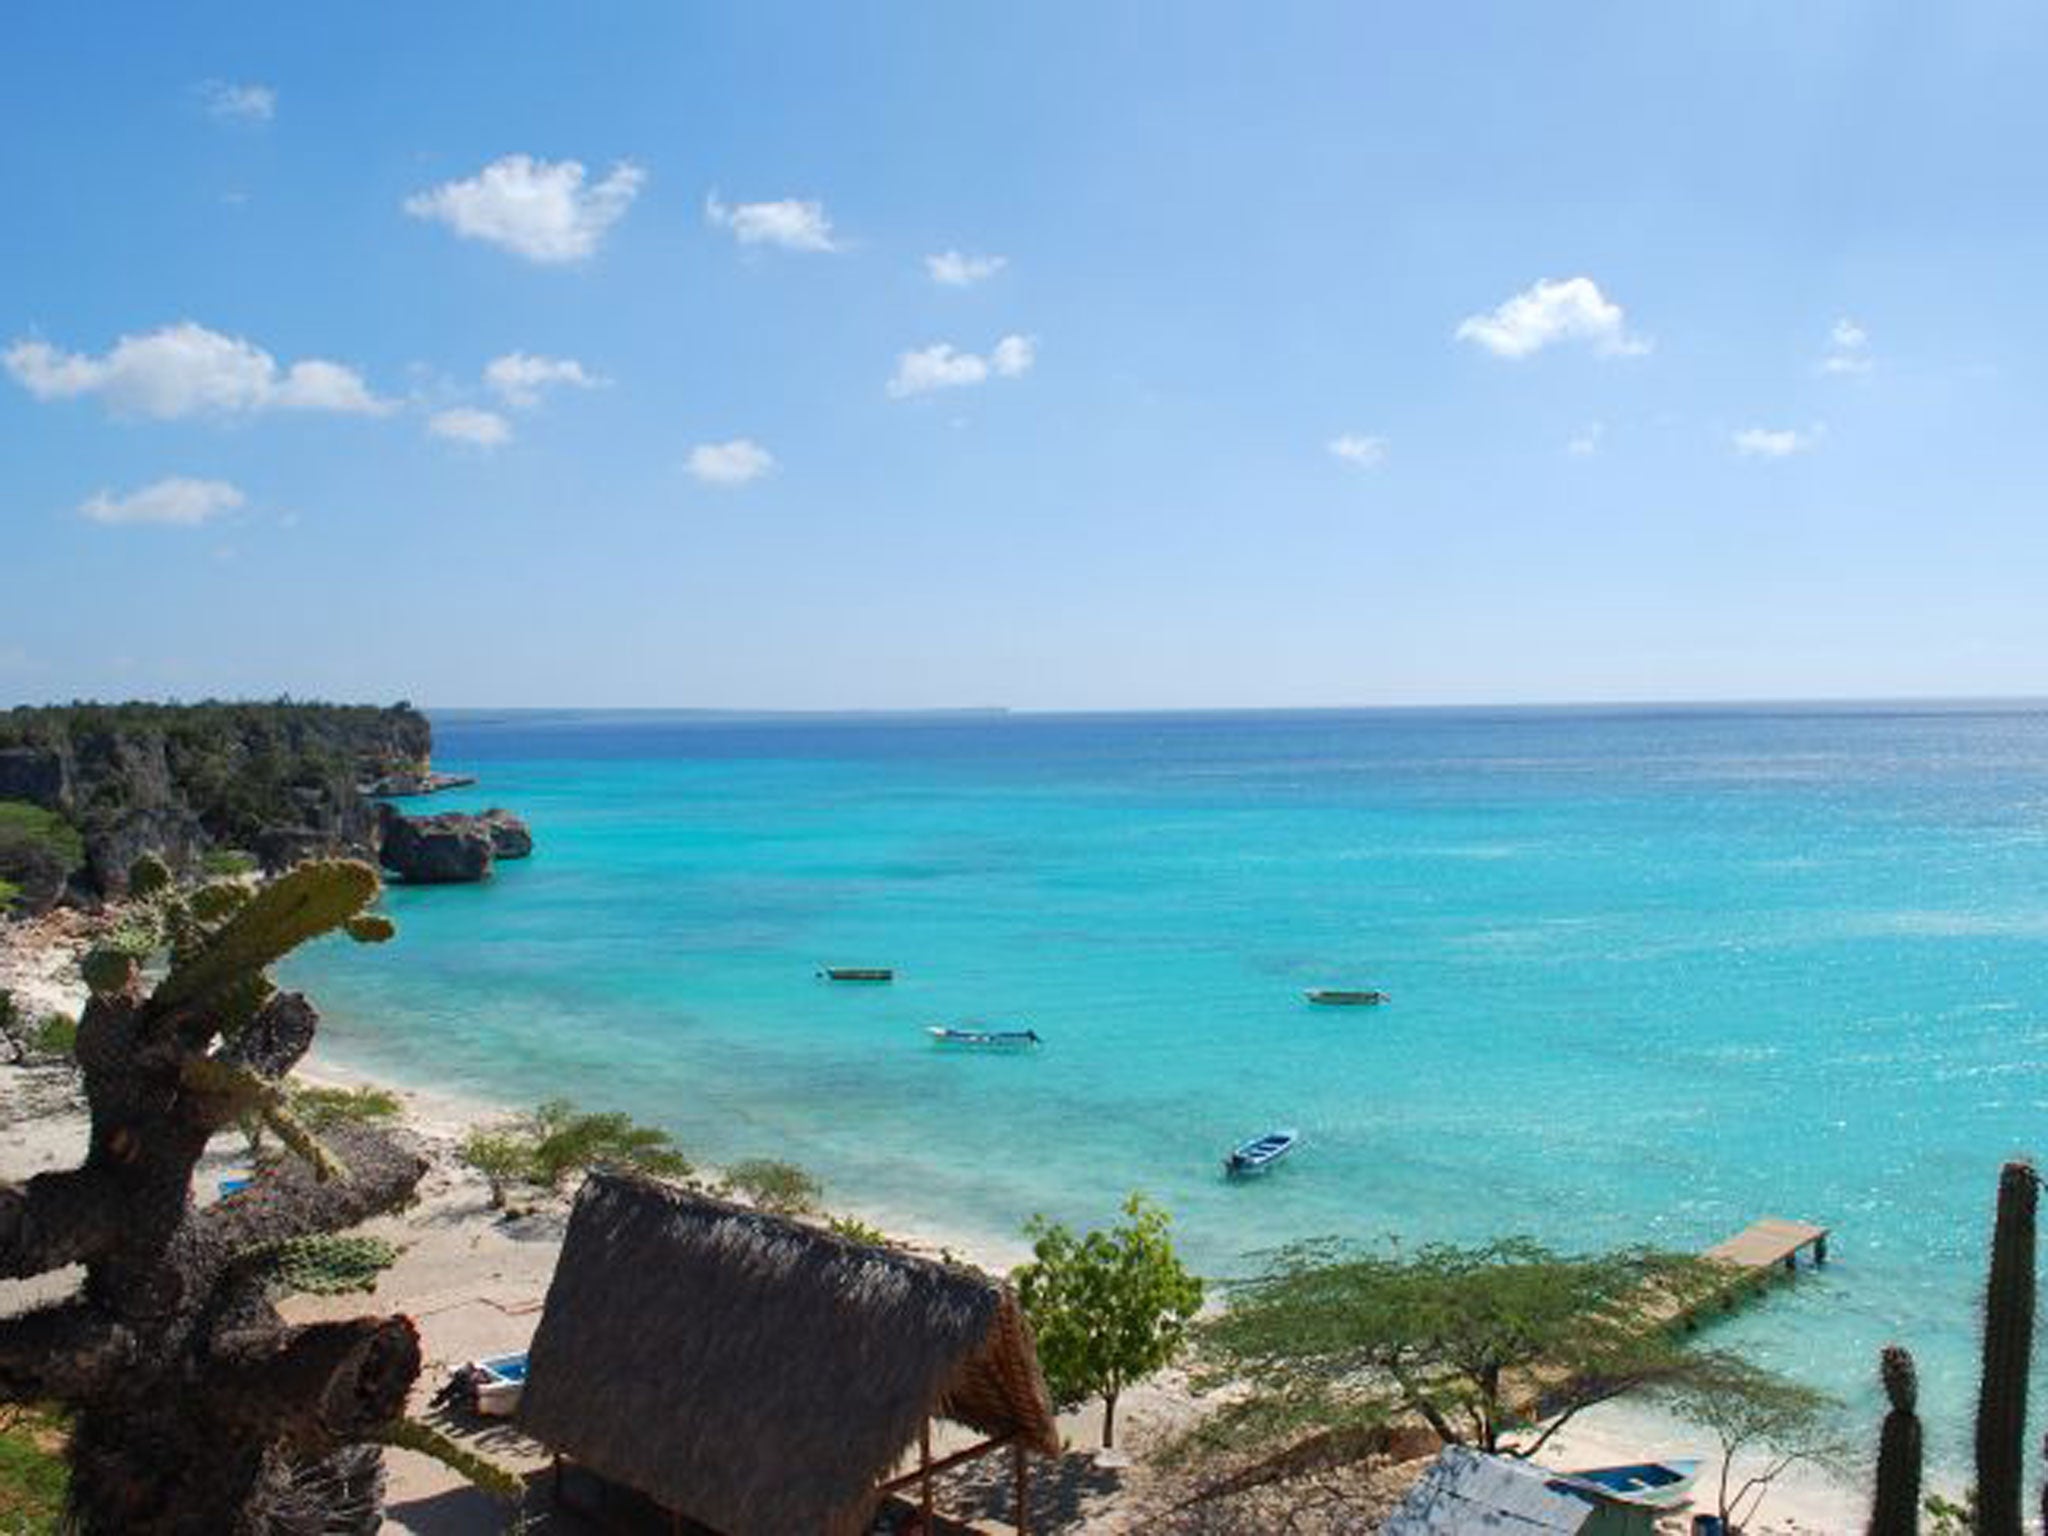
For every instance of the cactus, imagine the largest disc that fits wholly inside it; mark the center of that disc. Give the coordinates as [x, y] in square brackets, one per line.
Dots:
[2008, 1349]
[1895, 1511]
[211, 1413]
[313, 899]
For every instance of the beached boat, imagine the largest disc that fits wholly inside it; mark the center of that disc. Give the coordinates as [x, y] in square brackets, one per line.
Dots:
[856, 973]
[1261, 1152]
[499, 1382]
[986, 1039]
[1660, 1484]
[1345, 997]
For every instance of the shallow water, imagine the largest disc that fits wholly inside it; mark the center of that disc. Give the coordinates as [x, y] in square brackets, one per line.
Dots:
[1655, 974]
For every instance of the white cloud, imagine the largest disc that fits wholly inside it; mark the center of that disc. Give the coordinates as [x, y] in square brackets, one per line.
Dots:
[955, 269]
[519, 377]
[177, 502]
[537, 208]
[945, 366]
[1553, 311]
[1013, 356]
[467, 424]
[1774, 442]
[791, 223]
[1848, 349]
[1586, 442]
[188, 370]
[1355, 448]
[733, 463]
[230, 103]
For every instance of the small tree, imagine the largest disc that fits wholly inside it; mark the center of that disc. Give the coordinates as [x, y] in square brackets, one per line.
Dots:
[776, 1186]
[557, 1139]
[1466, 1338]
[1766, 1425]
[1108, 1308]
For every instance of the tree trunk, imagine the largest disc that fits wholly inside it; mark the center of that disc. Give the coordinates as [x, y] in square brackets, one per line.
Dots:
[1109, 1421]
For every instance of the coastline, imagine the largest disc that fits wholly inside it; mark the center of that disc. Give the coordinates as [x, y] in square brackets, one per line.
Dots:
[475, 1282]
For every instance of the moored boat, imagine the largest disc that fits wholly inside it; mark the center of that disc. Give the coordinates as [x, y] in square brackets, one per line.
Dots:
[1660, 1484]
[1346, 997]
[856, 973]
[1261, 1152]
[987, 1039]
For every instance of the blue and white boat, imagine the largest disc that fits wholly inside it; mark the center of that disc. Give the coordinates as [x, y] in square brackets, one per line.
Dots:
[1659, 1484]
[1261, 1152]
[985, 1039]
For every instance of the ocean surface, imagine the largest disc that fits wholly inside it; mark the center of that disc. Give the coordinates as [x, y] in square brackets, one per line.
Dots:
[1655, 973]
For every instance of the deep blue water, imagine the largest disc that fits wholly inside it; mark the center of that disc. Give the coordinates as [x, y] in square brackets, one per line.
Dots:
[1655, 973]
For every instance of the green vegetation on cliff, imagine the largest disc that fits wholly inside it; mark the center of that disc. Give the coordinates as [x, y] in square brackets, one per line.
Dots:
[277, 781]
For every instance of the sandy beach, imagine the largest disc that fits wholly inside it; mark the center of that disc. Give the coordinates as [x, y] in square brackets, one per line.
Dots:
[475, 1282]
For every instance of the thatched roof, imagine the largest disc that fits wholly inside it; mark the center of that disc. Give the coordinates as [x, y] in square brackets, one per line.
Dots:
[758, 1374]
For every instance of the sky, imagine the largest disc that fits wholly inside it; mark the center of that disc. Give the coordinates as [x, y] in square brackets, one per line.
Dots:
[1062, 356]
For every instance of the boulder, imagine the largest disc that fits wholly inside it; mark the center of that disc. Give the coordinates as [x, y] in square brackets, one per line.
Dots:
[435, 850]
[510, 837]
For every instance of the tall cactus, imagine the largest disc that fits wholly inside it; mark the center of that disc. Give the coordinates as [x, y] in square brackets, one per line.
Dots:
[2008, 1351]
[1895, 1511]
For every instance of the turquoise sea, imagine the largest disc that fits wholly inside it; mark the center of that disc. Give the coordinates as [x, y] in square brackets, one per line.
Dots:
[1655, 973]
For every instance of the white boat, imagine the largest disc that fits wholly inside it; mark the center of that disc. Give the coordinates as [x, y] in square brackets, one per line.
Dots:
[1346, 997]
[985, 1039]
[500, 1382]
[1261, 1152]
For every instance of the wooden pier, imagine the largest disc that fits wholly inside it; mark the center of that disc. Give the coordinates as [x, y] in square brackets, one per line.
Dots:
[1769, 1243]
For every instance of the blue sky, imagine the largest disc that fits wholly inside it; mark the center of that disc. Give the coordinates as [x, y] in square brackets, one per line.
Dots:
[1292, 354]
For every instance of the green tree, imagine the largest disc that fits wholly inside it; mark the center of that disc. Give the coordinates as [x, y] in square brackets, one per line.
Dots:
[773, 1185]
[1766, 1426]
[1107, 1308]
[556, 1140]
[1467, 1338]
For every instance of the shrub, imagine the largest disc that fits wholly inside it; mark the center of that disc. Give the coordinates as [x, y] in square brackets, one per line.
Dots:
[228, 862]
[504, 1158]
[774, 1186]
[33, 1477]
[570, 1141]
[38, 852]
[854, 1230]
[558, 1140]
[320, 1109]
[57, 1035]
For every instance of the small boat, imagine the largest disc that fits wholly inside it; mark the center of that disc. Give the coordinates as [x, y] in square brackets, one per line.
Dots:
[856, 973]
[1346, 997]
[1660, 1484]
[988, 1039]
[1261, 1152]
[499, 1383]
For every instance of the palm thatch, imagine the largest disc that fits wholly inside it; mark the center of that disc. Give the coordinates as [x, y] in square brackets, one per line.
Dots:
[758, 1374]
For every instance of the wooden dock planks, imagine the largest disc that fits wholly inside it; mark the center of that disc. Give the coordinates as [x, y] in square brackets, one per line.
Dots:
[1771, 1242]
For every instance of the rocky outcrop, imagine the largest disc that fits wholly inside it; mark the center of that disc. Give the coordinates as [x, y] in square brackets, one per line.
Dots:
[510, 837]
[279, 780]
[452, 847]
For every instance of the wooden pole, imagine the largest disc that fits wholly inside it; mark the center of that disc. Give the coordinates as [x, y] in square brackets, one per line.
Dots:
[1023, 1475]
[924, 1482]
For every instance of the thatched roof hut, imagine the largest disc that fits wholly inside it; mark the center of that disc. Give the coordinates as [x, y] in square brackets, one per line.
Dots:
[757, 1374]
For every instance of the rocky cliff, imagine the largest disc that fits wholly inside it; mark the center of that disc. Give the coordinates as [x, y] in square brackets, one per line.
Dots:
[279, 781]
